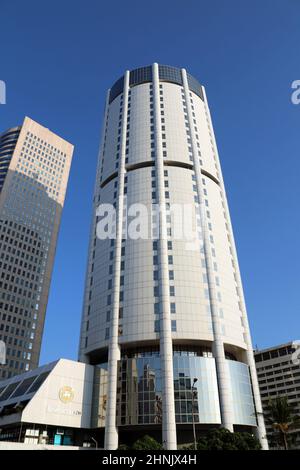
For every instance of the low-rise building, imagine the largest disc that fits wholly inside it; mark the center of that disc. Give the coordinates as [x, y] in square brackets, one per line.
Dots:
[49, 405]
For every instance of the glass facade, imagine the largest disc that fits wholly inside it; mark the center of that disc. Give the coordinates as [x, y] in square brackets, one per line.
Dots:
[205, 390]
[140, 75]
[98, 414]
[195, 86]
[139, 391]
[144, 75]
[242, 397]
[8, 142]
[14, 388]
[170, 74]
[116, 89]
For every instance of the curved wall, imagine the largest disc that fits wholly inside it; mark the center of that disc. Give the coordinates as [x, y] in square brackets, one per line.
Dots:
[158, 147]
[8, 141]
[139, 399]
[193, 318]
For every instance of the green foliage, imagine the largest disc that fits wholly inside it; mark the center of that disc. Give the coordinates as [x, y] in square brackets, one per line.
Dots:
[222, 439]
[123, 447]
[147, 443]
[282, 417]
[216, 439]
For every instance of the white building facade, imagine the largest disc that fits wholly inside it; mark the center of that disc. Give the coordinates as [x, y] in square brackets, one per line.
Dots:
[164, 315]
[50, 405]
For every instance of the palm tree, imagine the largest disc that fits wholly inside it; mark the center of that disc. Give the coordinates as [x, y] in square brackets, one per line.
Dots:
[282, 417]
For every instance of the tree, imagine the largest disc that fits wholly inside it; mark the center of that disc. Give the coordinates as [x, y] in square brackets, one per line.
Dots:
[123, 447]
[222, 439]
[147, 443]
[282, 417]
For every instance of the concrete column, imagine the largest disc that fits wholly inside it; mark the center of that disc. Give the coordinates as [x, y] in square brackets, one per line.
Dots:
[218, 346]
[166, 348]
[260, 430]
[111, 431]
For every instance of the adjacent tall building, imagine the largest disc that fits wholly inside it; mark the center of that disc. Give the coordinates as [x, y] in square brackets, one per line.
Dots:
[34, 171]
[278, 371]
[165, 319]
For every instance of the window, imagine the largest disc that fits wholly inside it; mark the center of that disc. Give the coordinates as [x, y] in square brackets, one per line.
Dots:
[173, 325]
[173, 307]
[172, 291]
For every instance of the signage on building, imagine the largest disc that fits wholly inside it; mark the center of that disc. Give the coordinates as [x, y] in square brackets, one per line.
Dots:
[66, 394]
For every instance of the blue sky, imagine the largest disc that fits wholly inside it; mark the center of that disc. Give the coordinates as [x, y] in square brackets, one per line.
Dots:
[59, 57]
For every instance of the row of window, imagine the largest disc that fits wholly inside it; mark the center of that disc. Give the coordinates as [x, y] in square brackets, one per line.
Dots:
[46, 146]
[273, 354]
[165, 73]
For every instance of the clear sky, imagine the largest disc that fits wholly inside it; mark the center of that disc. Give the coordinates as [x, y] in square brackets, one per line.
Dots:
[59, 57]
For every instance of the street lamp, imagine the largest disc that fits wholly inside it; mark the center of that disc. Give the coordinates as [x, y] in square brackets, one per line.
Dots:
[96, 443]
[193, 417]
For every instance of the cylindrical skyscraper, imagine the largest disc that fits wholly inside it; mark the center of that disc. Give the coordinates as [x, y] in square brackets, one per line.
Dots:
[166, 317]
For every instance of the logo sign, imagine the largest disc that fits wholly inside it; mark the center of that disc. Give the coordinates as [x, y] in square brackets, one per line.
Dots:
[66, 394]
[2, 353]
[2, 92]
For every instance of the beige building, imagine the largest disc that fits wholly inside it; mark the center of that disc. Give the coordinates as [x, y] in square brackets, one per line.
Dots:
[278, 372]
[34, 171]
